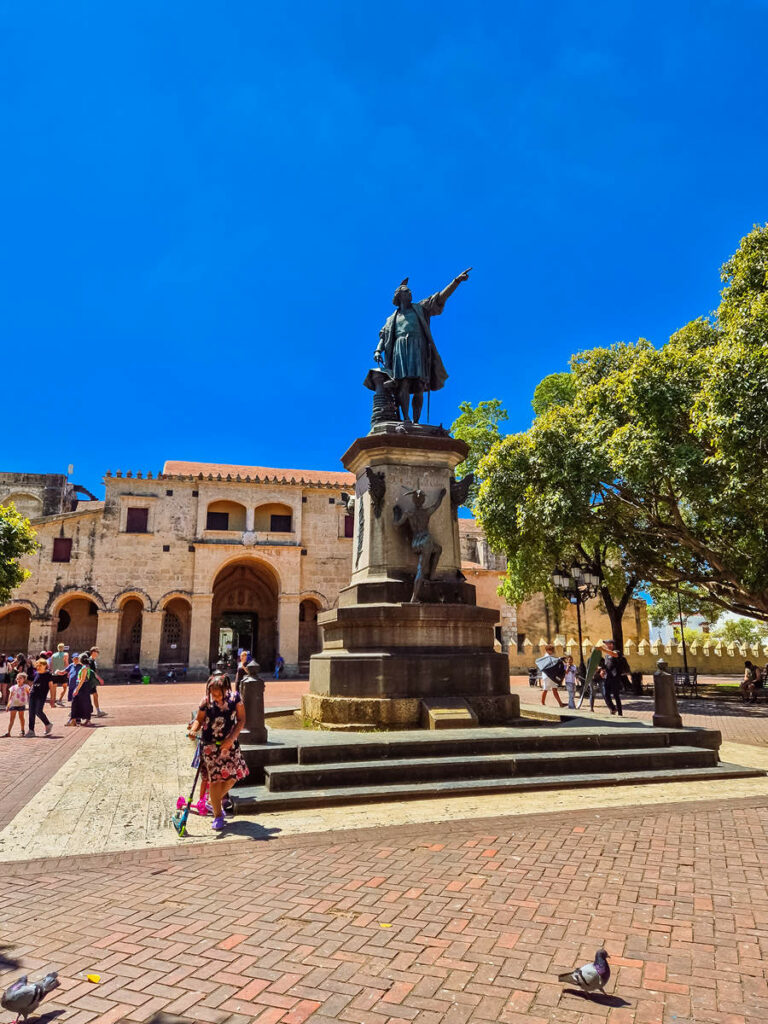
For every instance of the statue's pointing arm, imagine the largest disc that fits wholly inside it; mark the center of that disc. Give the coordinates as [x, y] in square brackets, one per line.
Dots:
[448, 291]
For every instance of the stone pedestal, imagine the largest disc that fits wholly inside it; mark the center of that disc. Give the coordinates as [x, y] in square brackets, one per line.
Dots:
[382, 655]
[665, 714]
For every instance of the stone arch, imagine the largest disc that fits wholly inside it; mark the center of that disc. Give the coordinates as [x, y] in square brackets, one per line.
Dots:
[233, 510]
[246, 593]
[170, 595]
[129, 630]
[118, 601]
[263, 520]
[76, 620]
[175, 631]
[310, 635]
[314, 595]
[26, 503]
[57, 599]
[15, 621]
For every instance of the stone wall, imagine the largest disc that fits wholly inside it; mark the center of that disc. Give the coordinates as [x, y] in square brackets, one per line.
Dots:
[716, 658]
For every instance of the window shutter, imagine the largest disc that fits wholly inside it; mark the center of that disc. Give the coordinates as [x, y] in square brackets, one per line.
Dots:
[136, 520]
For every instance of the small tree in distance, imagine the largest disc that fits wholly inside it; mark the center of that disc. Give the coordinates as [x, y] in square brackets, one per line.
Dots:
[17, 538]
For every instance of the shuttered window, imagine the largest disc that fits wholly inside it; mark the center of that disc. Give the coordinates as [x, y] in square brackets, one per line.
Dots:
[62, 549]
[136, 520]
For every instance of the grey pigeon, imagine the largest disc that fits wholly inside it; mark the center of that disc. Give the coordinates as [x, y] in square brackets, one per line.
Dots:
[591, 976]
[23, 997]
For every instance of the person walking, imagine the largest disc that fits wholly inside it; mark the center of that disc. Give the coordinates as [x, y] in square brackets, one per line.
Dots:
[279, 665]
[220, 717]
[552, 675]
[95, 681]
[242, 671]
[5, 664]
[613, 666]
[40, 690]
[18, 697]
[570, 681]
[59, 666]
[82, 708]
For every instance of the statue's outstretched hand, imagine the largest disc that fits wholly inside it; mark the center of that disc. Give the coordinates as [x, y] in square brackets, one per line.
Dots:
[464, 275]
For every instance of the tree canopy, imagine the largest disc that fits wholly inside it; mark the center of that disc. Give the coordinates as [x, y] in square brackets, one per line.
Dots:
[655, 469]
[17, 538]
[479, 427]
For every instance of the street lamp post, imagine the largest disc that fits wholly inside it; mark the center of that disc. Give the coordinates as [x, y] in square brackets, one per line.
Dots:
[682, 635]
[577, 584]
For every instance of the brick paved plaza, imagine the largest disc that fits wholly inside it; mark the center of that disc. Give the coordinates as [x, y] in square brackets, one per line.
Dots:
[440, 922]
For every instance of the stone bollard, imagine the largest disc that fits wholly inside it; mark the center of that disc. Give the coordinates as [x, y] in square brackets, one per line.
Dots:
[665, 714]
[252, 690]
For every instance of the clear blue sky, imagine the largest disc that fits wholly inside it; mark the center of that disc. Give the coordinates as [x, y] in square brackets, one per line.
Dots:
[207, 206]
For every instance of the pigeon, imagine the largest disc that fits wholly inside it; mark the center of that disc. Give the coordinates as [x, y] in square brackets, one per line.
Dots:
[23, 998]
[591, 976]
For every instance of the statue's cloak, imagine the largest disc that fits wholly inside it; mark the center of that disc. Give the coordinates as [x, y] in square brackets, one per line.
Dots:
[435, 376]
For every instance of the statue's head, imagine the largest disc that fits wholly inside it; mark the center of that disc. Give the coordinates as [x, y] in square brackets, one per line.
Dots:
[402, 296]
[418, 497]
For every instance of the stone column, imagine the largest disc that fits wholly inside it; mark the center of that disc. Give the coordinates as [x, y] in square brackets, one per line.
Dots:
[151, 629]
[665, 715]
[106, 638]
[200, 636]
[252, 689]
[42, 631]
[250, 515]
[288, 632]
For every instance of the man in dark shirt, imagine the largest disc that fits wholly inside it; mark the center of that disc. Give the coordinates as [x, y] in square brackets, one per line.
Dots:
[37, 696]
[613, 666]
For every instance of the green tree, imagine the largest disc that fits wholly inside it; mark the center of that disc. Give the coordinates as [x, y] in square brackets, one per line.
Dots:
[17, 538]
[556, 389]
[740, 630]
[657, 469]
[479, 427]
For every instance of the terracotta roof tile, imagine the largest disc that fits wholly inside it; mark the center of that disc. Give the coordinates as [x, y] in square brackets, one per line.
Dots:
[287, 476]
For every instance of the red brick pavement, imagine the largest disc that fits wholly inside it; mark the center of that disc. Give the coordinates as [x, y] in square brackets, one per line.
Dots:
[464, 923]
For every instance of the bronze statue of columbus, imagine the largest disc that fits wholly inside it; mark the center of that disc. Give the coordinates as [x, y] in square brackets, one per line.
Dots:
[406, 348]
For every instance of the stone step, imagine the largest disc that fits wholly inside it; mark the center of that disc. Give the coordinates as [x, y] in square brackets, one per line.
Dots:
[253, 799]
[284, 777]
[471, 742]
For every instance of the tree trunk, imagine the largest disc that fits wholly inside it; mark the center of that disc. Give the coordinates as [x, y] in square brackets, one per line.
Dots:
[615, 611]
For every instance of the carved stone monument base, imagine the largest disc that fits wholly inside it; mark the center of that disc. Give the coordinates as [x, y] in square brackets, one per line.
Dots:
[383, 653]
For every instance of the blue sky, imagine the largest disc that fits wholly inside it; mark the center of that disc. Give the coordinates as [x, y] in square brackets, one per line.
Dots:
[207, 207]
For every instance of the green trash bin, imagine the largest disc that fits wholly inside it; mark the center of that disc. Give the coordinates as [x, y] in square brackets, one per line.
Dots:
[146, 680]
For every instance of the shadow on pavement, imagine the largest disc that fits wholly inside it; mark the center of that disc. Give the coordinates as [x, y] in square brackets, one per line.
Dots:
[51, 1015]
[8, 963]
[250, 830]
[597, 997]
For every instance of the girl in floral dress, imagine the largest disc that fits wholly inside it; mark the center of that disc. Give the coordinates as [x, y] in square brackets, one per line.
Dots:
[18, 697]
[221, 716]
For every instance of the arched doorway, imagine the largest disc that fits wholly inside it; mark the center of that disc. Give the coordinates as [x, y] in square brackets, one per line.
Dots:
[129, 633]
[14, 631]
[174, 637]
[244, 613]
[310, 641]
[77, 623]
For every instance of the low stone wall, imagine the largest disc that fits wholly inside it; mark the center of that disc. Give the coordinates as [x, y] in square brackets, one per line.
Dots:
[712, 659]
